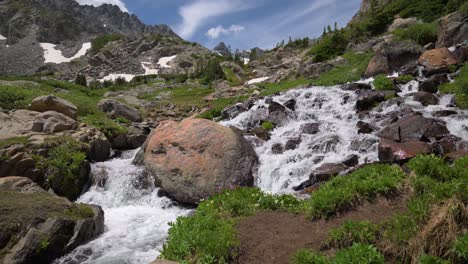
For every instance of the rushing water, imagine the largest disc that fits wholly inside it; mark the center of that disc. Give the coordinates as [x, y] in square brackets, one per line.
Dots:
[136, 219]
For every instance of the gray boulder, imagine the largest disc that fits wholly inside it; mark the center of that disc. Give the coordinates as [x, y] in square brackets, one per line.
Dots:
[453, 30]
[53, 103]
[115, 109]
[52, 122]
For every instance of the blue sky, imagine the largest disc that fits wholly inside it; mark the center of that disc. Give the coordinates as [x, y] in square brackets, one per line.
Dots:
[241, 24]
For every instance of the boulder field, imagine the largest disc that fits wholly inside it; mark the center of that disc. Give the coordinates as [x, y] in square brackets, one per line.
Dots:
[197, 158]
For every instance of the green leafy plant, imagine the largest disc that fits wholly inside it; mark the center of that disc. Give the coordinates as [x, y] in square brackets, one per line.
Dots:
[381, 82]
[460, 247]
[421, 33]
[305, 256]
[359, 254]
[268, 126]
[426, 259]
[353, 232]
[329, 46]
[404, 79]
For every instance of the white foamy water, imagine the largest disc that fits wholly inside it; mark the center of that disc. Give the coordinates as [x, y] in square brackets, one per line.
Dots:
[334, 110]
[53, 55]
[136, 219]
[257, 80]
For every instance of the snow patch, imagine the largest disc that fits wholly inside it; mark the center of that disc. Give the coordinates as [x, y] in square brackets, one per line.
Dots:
[258, 80]
[149, 68]
[164, 61]
[53, 55]
[2, 37]
[246, 61]
[113, 77]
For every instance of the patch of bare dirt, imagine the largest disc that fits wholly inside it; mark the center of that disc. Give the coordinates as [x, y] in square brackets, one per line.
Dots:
[273, 237]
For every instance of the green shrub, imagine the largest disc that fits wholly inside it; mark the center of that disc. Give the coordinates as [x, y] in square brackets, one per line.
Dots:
[212, 71]
[100, 42]
[420, 33]
[340, 193]
[352, 232]
[268, 126]
[62, 167]
[381, 82]
[405, 79]
[359, 254]
[460, 247]
[432, 166]
[4, 143]
[329, 46]
[81, 80]
[15, 97]
[426, 259]
[459, 87]
[464, 8]
[305, 256]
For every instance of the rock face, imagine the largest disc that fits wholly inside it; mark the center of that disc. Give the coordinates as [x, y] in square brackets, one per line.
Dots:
[401, 23]
[392, 56]
[437, 60]
[40, 227]
[115, 109]
[453, 30]
[197, 158]
[52, 103]
[222, 49]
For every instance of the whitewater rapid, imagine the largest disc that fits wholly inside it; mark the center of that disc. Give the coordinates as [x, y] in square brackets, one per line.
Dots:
[136, 219]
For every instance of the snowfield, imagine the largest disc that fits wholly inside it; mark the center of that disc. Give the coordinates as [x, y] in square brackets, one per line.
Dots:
[53, 55]
[257, 80]
[114, 76]
[164, 61]
[2, 37]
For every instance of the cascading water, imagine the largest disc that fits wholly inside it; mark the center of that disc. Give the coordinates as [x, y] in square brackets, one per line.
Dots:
[136, 219]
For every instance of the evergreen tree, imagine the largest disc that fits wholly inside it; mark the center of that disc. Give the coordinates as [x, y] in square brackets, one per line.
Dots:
[81, 80]
[253, 54]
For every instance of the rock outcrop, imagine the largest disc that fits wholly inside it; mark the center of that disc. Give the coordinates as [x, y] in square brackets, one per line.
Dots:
[53, 103]
[115, 109]
[40, 227]
[453, 30]
[197, 158]
[437, 60]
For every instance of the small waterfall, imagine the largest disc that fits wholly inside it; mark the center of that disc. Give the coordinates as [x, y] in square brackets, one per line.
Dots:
[136, 219]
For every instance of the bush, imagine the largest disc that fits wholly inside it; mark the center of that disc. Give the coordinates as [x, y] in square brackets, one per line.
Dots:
[459, 87]
[268, 126]
[420, 33]
[460, 247]
[212, 71]
[340, 193]
[352, 232]
[359, 254]
[304, 256]
[405, 79]
[15, 97]
[81, 80]
[329, 46]
[381, 82]
[100, 42]
[62, 167]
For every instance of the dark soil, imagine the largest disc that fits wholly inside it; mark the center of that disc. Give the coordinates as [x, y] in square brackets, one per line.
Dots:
[274, 237]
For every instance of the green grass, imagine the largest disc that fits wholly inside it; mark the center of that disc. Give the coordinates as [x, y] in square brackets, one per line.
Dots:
[355, 254]
[459, 87]
[19, 97]
[352, 232]
[381, 82]
[421, 33]
[460, 247]
[209, 236]
[345, 73]
[273, 88]
[305, 256]
[341, 193]
[405, 79]
[217, 106]
[231, 77]
[80, 211]
[12, 141]
[100, 42]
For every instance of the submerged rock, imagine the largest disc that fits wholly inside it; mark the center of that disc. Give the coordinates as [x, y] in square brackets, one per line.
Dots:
[196, 159]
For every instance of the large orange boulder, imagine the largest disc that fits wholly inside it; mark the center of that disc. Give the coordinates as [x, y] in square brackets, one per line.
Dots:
[437, 60]
[197, 158]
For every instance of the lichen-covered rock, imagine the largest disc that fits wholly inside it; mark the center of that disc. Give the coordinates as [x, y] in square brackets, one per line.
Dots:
[197, 158]
[53, 103]
[437, 60]
[115, 109]
[39, 226]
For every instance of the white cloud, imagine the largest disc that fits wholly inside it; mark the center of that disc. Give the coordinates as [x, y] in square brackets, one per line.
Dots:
[215, 32]
[199, 12]
[118, 3]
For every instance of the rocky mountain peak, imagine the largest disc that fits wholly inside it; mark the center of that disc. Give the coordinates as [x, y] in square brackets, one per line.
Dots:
[222, 49]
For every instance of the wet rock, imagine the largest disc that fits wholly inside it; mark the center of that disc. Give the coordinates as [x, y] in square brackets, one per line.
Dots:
[365, 128]
[115, 109]
[40, 226]
[445, 113]
[351, 160]
[327, 170]
[277, 113]
[261, 133]
[132, 139]
[437, 61]
[310, 128]
[277, 148]
[368, 100]
[201, 159]
[409, 69]
[293, 143]
[449, 144]
[290, 104]
[275, 107]
[53, 103]
[414, 127]
[425, 98]
[390, 57]
[391, 151]
[356, 86]
[306, 184]
[232, 111]
[98, 148]
[432, 84]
